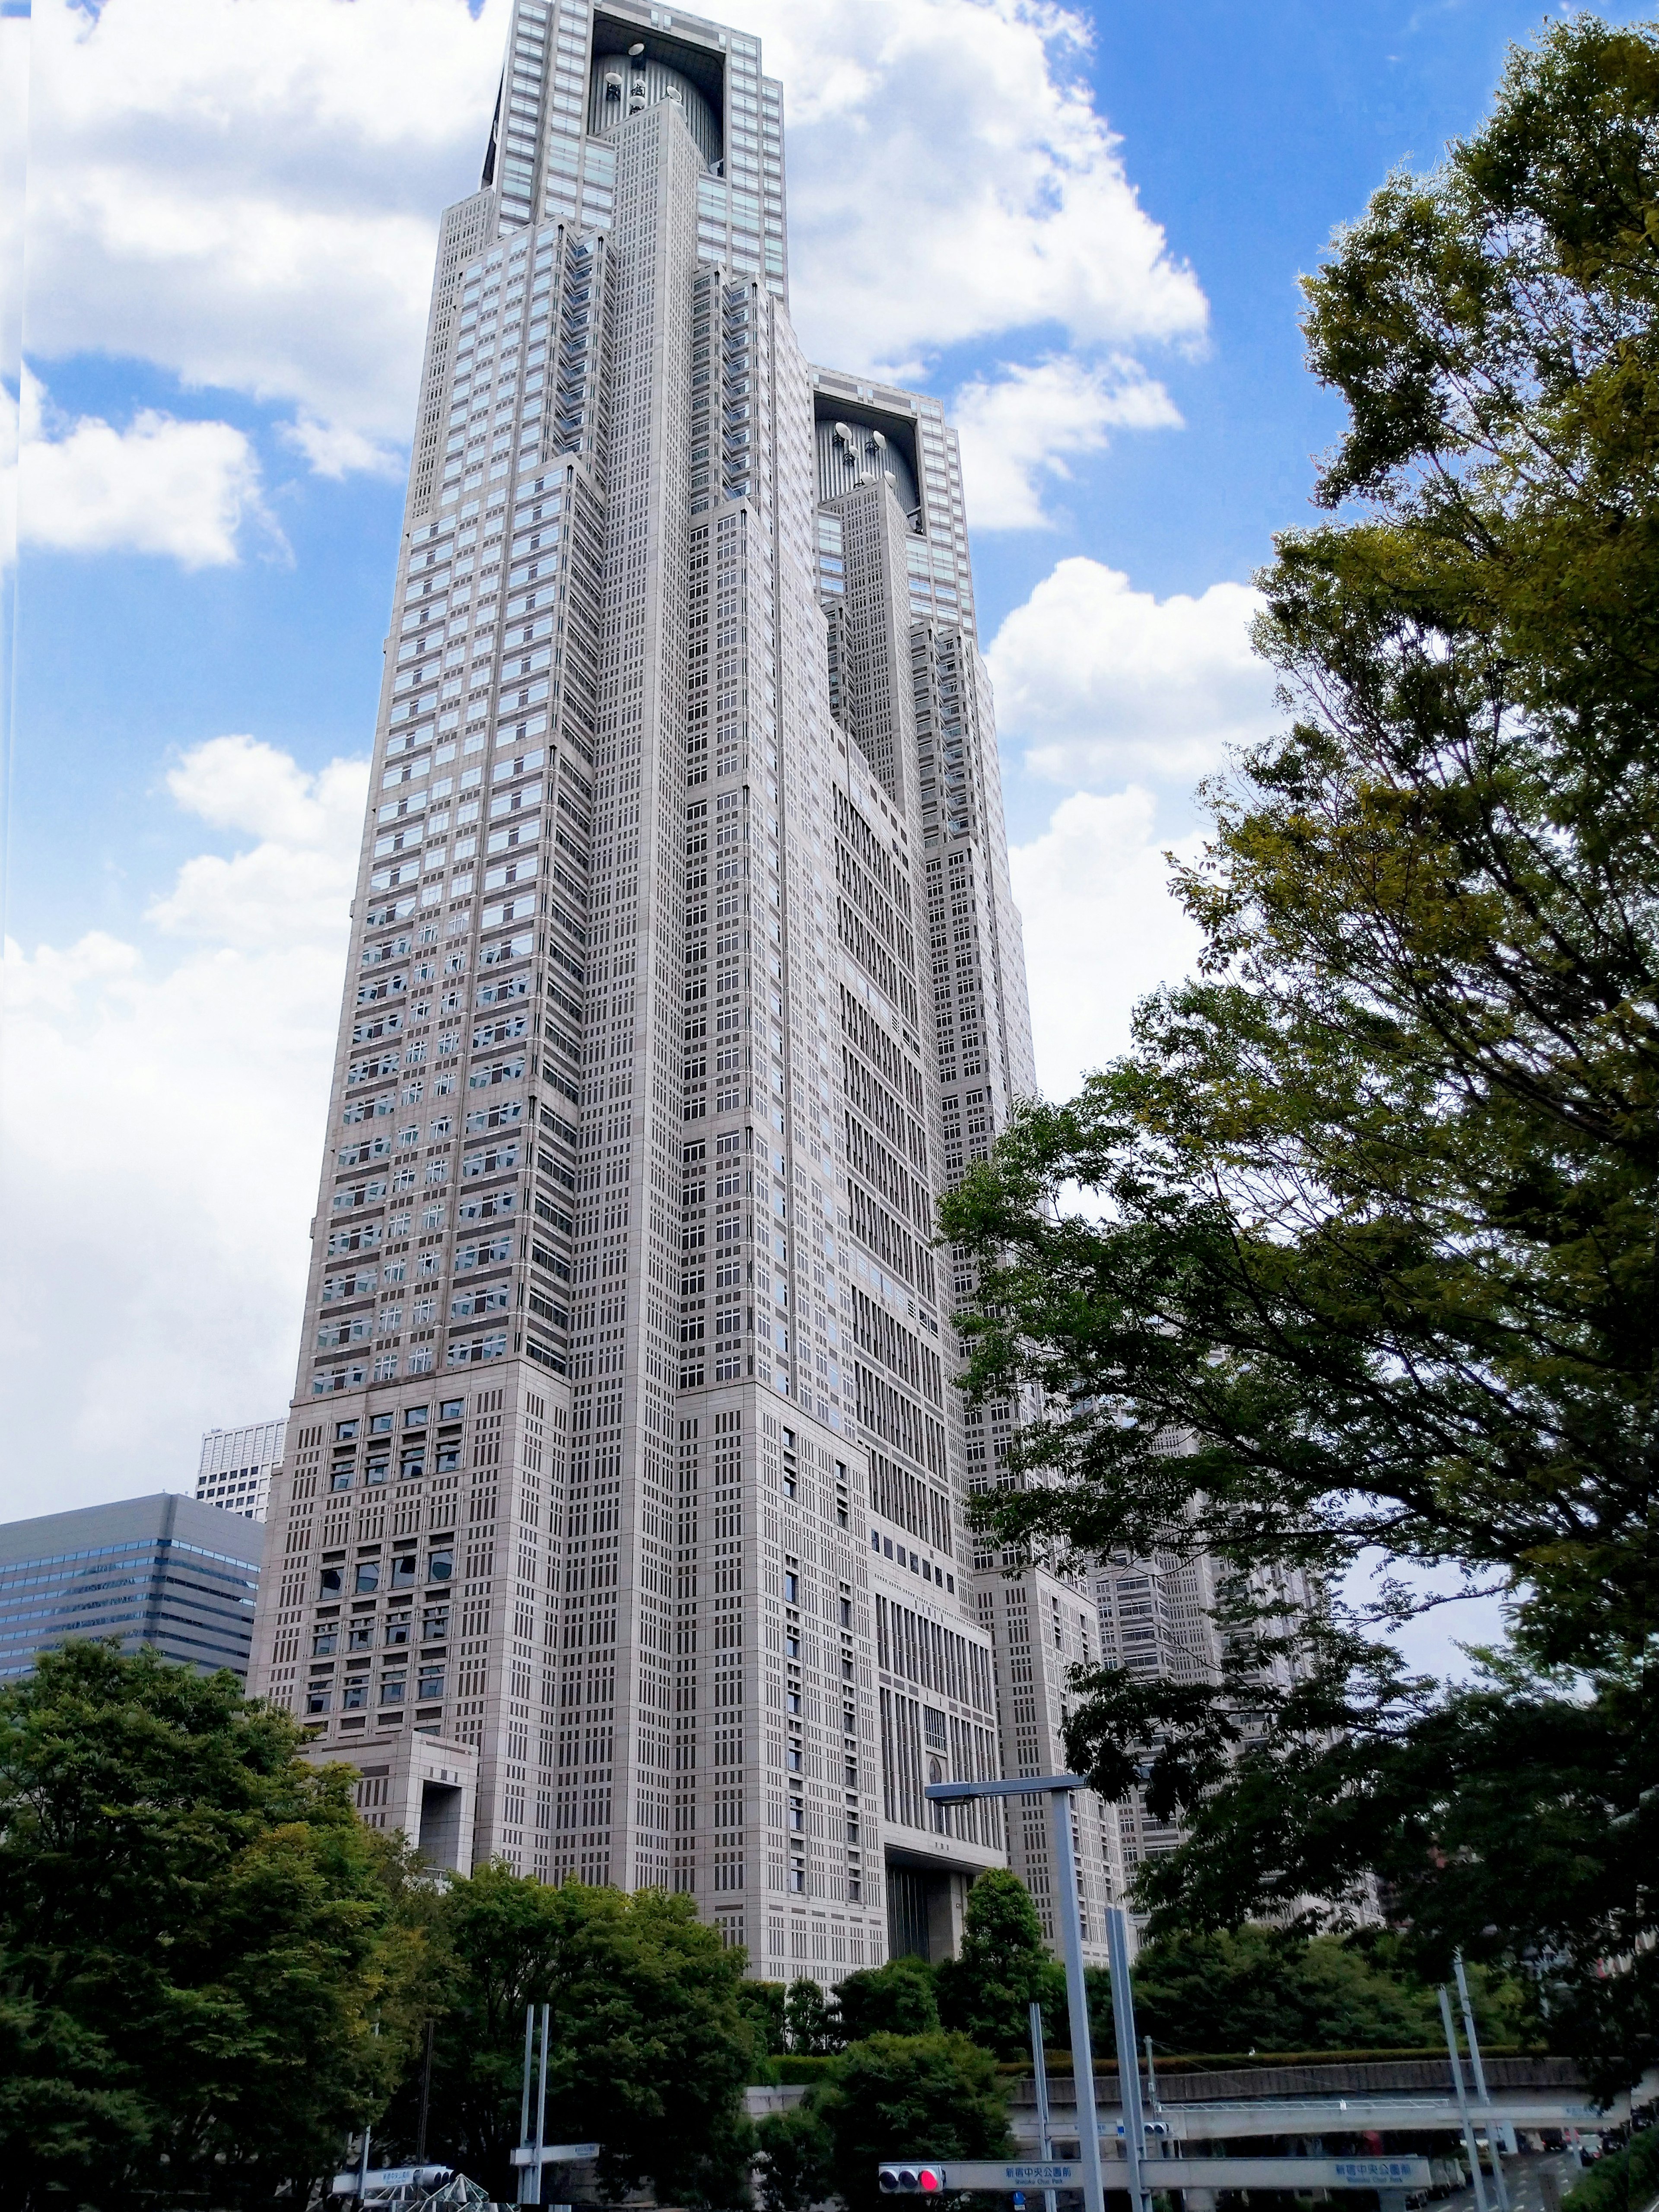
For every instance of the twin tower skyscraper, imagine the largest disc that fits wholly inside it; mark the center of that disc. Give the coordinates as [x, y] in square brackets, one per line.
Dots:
[620, 1531]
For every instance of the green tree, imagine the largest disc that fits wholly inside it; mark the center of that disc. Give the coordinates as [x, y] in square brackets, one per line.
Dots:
[650, 2045]
[196, 1942]
[1266, 1988]
[764, 2004]
[808, 2020]
[794, 2160]
[907, 2096]
[1373, 1216]
[897, 1999]
[986, 1991]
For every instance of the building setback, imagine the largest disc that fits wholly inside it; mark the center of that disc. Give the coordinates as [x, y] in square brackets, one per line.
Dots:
[626, 1467]
[162, 1571]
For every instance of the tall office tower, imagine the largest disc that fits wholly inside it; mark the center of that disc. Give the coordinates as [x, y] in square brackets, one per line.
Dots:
[237, 1465]
[624, 1484]
[909, 688]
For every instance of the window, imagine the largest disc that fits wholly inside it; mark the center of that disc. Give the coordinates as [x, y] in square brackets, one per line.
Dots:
[431, 1684]
[378, 1470]
[326, 1642]
[791, 1643]
[341, 1478]
[452, 1409]
[415, 1416]
[441, 1566]
[394, 1688]
[403, 1571]
[796, 1875]
[344, 1431]
[797, 1815]
[318, 1701]
[792, 1700]
[398, 1627]
[379, 1424]
[360, 1635]
[356, 1695]
[368, 1576]
[412, 1464]
[792, 1589]
[434, 1624]
[333, 1581]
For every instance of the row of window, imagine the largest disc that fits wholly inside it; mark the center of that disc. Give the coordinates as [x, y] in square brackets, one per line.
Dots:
[370, 1575]
[394, 1692]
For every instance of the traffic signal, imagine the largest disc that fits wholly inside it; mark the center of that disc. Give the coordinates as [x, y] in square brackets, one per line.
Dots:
[906, 2180]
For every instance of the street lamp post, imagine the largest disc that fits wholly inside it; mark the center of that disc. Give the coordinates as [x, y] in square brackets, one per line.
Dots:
[1058, 1788]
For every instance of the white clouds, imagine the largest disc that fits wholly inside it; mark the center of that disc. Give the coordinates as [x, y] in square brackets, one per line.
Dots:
[184, 490]
[247, 195]
[1100, 681]
[161, 1123]
[1101, 928]
[949, 179]
[1022, 429]
[334, 451]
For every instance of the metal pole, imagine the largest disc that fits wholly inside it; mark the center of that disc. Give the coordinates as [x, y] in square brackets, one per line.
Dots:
[1475, 2174]
[1040, 2070]
[1482, 2095]
[363, 2167]
[1077, 2004]
[1128, 2058]
[525, 2184]
[541, 2104]
[425, 2098]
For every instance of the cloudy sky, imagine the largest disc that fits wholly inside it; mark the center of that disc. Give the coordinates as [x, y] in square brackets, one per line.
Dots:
[1082, 227]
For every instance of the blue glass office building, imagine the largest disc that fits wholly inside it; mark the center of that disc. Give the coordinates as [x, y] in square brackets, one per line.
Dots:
[164, 1571]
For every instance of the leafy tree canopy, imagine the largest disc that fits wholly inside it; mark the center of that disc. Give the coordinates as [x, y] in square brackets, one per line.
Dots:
[1001, 1967]
[809, 2020]
[897, 1999]
[933, 2096]
[1368, 1226]
[651, 2040]
[196, 1942]
[1256, 1988]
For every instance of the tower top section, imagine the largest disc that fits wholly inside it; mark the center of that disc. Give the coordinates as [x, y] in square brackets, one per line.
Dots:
[578, 71]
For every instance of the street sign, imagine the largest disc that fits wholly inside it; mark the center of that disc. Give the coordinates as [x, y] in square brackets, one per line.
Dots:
[553, 2153]
[1298, 2174]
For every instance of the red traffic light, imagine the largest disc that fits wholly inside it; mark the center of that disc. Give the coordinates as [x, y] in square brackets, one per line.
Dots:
[905, 2180]
[929, 2177]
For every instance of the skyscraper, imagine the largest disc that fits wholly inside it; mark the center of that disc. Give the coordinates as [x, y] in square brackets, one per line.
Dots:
[625, 1462]
[236, 1467]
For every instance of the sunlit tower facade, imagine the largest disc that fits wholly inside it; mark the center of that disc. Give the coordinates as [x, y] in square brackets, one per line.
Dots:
[624, 1483]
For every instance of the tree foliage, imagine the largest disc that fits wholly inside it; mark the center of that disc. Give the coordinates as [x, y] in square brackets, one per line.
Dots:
[1257, 1987]
[934, 2096]
[652, 2039]
[1371, 1225]
[897, 1999]
[1001, 1968]
[809, 2020]
[196, 1944]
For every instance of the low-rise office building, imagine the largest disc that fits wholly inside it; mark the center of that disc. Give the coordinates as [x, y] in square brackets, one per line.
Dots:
[163, 1571]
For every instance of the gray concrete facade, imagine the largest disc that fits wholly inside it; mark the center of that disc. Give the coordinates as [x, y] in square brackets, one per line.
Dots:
[625, 1454]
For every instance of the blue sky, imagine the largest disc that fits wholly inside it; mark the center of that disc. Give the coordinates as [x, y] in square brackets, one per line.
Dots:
[230, 224]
